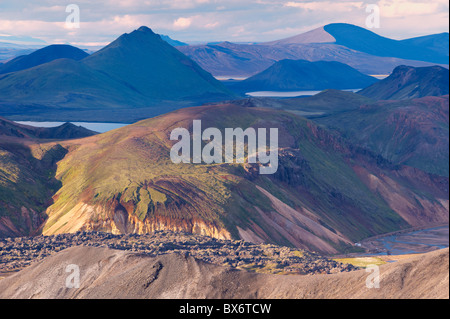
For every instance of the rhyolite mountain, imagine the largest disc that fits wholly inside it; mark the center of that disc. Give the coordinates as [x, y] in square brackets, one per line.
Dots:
[41, 56]
[326, 194]
[136, 76]
[362, 49]
[295, 75]
[407, 82]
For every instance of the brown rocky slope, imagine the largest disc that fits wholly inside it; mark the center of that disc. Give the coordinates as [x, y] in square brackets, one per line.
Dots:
[106, 273]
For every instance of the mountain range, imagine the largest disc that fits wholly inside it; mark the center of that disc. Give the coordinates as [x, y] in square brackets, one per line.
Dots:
[363, 164]
[433, 48]
[139, 75]
[136, 76]
[362, 49]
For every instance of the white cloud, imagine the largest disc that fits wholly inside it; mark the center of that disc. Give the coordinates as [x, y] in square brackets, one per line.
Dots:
[182, 23]
[407, 8]
[330, 6]
[215, 20]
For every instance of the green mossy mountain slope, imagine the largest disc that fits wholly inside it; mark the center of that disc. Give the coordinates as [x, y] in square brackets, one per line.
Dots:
[325, 195]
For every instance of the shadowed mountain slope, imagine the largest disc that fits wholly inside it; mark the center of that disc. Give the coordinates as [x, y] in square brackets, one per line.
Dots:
[27, 174]
[407, 82]
[437, 42]
[410, 132]
[27, 184]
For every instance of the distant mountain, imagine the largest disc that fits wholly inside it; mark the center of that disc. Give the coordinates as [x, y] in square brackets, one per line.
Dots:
[407, 82]
[137, 71]
[437, 42]
[328, 102]
[21, 40]
[9, 51]
[318, 35]
[64, 131]
[293, 75]
[363, 40]
[154, 69]
[324, 103]
[362, 49]
[41, 56]
[172, 42]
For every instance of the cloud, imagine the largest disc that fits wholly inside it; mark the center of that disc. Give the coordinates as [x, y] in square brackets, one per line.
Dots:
[182, 23]
[407, 8]
[330, 6]
[215, 20]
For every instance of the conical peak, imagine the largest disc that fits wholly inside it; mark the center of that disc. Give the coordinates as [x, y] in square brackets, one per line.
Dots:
[145, 29]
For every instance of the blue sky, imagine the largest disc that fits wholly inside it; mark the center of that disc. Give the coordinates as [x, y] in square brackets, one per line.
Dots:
[214, 20]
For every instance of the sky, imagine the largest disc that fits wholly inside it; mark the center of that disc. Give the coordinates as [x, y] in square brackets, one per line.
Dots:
[100, 22]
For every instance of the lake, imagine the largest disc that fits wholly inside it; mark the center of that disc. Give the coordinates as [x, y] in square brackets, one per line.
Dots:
[97, 127]
[289, 93]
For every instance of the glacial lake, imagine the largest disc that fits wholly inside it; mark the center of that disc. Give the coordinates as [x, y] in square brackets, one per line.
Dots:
[289, 93]
[97, 127]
